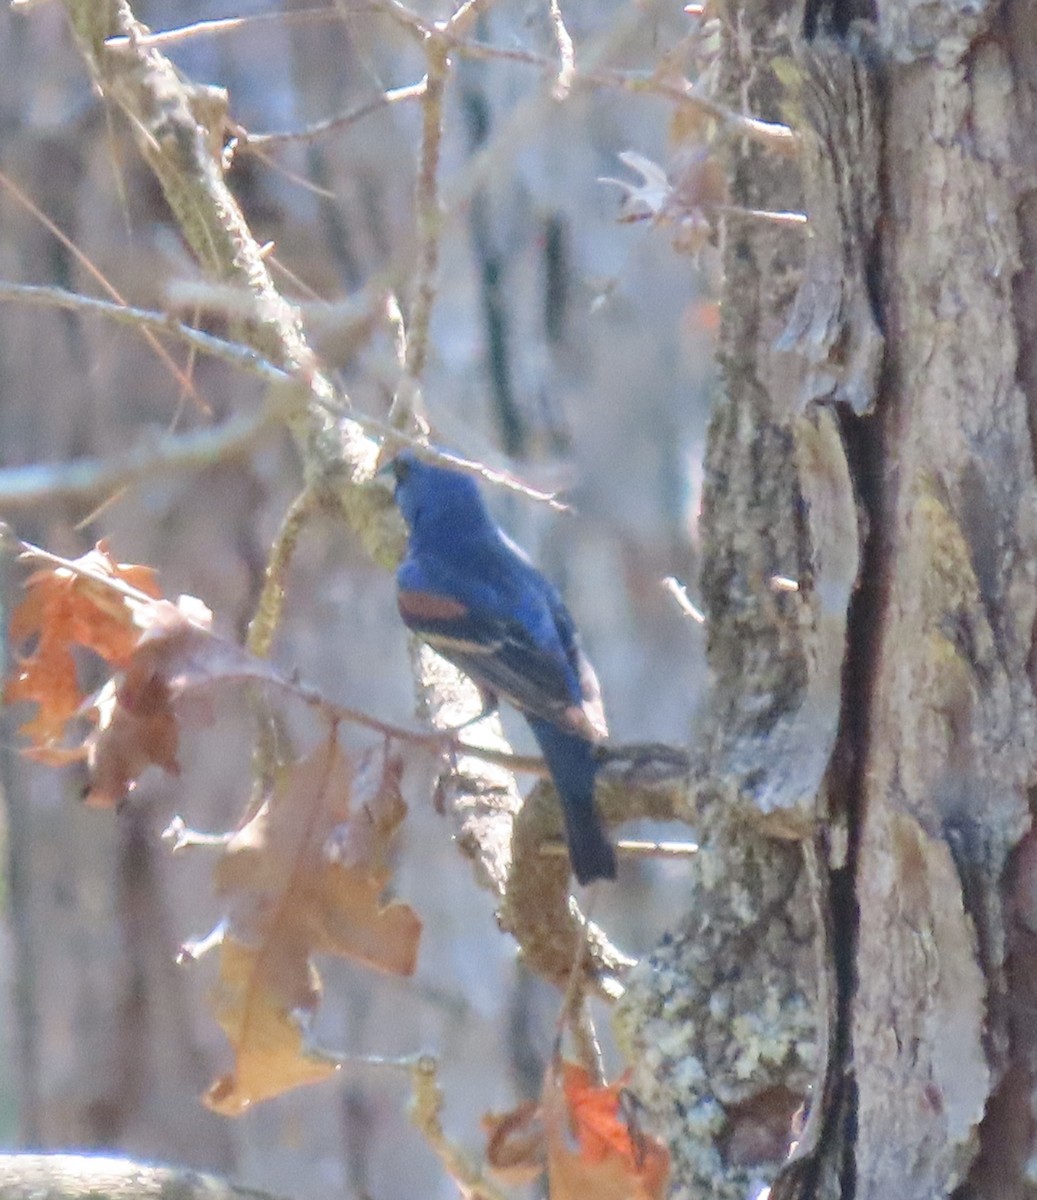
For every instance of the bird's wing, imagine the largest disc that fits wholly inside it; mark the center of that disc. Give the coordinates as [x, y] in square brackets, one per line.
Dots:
[501, 654]
[590, 689]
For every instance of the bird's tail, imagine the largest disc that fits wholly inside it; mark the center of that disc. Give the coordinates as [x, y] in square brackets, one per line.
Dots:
[573, 766]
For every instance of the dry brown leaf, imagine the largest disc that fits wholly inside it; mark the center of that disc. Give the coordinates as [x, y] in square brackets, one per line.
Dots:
[65, 607]
[593, 1149]
[647, 200]
[267, 1026]
[140, 713]
[164, 655]
[684, 197]
[304, 876]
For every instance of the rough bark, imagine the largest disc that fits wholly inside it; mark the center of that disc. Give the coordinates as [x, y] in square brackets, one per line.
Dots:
[951, 743]
[881, 714]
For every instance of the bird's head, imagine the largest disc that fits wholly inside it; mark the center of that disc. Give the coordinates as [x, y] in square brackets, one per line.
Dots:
[431, 497]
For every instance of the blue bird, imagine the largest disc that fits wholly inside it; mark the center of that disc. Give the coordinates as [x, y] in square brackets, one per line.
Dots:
[475, 597]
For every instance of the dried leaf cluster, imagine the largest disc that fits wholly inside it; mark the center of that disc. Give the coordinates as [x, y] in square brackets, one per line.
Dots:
[303, 875]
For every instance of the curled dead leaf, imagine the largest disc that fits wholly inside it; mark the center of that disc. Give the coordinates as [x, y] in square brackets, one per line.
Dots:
[139, 714]
[66, 606]
[516, 1150]
[685, 196]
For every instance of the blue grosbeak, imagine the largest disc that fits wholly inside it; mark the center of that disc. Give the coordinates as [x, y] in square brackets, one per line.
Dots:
[474, 596]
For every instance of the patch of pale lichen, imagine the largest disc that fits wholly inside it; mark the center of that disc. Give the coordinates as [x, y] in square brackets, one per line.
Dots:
[727, 1007]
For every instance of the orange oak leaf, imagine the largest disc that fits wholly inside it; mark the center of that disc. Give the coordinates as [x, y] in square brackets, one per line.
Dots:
[582, 1134]
[593, 1147]
[304, 876]
[66, 606]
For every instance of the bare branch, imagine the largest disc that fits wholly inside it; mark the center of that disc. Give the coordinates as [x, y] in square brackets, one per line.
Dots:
[425, 1112]
[185, 33]
[405, 17]
[158, 322]
[429, 213]
[679, 592]
[166, 453]
[761, 214]
[267, 615]
[98, 276]
[447, 740]
[775, 136]
[22, 488]
[79, 1176]
[631, 848]
[248, 142]
[465, 16]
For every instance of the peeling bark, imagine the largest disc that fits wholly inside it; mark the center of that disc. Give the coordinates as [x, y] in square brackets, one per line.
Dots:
[952, 737]
[875, 445]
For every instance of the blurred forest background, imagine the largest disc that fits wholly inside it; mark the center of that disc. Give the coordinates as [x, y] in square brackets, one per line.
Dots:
[566, 344]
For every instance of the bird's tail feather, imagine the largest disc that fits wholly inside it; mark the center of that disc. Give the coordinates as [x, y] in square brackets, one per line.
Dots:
[573, 766]
[591, 853]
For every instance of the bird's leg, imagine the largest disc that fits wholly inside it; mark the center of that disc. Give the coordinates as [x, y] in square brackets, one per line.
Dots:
[449, 733]
[490, 705]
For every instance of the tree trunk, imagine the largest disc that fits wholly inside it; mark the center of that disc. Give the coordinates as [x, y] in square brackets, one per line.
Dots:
[861, 934]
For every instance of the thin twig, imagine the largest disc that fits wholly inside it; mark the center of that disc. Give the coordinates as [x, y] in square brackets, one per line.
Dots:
[775, 136]
[300, 181]
[98, 276]
[425, 1111]
[19, 486]
[685, 603]
[407, 19]
[22, 488]
[469, 467]
[428, 211]
[249, 142]
[443, 740]
[767, 133]
[233, 352]
[761, 214]
[631, 848]
[465, 17]
[185, 33]
[27, 552]
[267, 615]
